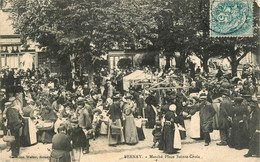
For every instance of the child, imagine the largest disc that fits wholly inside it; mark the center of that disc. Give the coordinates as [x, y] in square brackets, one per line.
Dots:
[157, 132]
[96, 123]
[78, 139]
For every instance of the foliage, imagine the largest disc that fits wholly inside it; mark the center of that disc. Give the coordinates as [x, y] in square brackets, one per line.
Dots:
[124, 63]
[77, 28]
[87, 29]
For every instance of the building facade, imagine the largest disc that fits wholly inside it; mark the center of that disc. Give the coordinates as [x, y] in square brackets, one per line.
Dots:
[12, 53]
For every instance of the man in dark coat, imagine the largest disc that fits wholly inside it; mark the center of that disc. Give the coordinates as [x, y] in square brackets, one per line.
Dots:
[151, 101]
[14, 123]
[109, 90]
[225, 113]
[206, 118]
[139, 99]
[254, 131]
[84, 120]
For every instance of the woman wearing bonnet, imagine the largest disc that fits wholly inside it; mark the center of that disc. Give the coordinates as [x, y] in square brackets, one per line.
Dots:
[170, 133]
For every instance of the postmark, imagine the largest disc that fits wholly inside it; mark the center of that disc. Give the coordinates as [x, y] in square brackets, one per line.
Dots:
[231, 18]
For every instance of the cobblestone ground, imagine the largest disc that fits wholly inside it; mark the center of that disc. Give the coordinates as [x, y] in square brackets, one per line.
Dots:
[100, 151]
[193, 152]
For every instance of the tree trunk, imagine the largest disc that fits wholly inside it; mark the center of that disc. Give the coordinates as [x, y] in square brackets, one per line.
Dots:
[168, 60]
[182, 65]
[90, 76]
[65, 66]
[73, 67]
[205, 64]
[234, 63]
[90, 68]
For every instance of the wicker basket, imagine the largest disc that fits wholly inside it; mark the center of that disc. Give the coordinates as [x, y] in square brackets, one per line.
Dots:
[3, 144]
[115, 130]
[8, 137]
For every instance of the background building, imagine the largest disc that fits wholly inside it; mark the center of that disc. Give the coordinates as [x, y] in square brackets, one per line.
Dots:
[12, 53]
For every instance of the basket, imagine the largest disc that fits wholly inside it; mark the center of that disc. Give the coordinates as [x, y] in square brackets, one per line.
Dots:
[45, 126]
[3, 144]
[115, 130]
[8, 137]
[1, 133]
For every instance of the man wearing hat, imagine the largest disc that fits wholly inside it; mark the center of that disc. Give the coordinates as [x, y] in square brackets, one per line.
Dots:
[206, 117]
[247, 99]
[84, 120]
[109, 90]
[92, 98]
[254, 130]
[151, 114]
[225, 113]
[14, 123]
[139, 98]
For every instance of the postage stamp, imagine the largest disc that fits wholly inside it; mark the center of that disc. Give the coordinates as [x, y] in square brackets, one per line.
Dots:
[231, 18]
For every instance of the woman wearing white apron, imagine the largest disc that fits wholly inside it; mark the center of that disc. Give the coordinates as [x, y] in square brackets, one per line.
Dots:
[171, 141]
[195, 122]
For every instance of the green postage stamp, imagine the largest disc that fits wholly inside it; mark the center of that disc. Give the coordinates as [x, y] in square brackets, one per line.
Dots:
[231, 18]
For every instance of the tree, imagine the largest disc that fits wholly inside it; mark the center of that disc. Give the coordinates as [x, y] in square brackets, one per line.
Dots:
[71, 29]
[124, 63]
[83, 30]
[205, 47]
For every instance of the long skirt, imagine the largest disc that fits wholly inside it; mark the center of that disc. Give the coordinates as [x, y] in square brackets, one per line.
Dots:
[140, 133]
[239, 138]
[216, 107]
[167, 143]
[139, 127]
[195, 126]
[182, 133]
[45, 136]
[76, 154]
[151, 117]
[131, 136]
[29, 136]
[254, 144]
[115, 139]
[60, 156]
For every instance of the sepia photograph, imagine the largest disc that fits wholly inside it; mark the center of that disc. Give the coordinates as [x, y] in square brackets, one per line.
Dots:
[129, 81]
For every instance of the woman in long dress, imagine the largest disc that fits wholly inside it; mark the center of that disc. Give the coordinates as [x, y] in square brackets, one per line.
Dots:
[168, 135]
[131, 136]
[61, 146]
[48, 116]
[195, 130]
[239, 138]
[115, 113]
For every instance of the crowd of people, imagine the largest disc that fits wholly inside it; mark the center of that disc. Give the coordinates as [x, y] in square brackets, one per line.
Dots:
[37, 106]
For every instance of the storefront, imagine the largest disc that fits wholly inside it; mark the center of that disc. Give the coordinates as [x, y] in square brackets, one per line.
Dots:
[13, 56]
